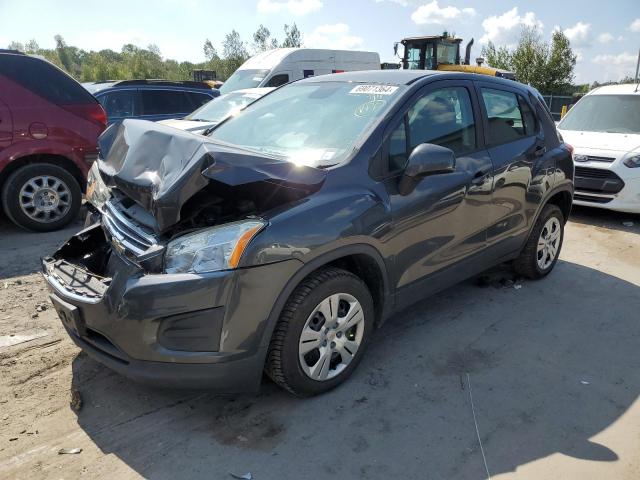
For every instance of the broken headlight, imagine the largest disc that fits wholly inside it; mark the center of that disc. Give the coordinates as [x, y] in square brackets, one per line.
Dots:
[97, 191]
[217, 248]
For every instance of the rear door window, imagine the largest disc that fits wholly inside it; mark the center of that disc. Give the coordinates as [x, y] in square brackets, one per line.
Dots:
[509, 116]
[119, 104]
[164, 102]
[44, 79]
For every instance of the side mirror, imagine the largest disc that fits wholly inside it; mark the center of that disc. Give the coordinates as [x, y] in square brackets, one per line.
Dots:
[426, 159]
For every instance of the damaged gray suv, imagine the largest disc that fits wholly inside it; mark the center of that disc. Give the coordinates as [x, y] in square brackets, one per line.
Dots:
[279, 242]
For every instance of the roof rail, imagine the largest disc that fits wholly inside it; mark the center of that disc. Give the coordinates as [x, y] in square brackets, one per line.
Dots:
[15, 52]
[165, 83]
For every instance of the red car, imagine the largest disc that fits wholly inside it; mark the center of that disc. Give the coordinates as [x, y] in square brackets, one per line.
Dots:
[49, 128]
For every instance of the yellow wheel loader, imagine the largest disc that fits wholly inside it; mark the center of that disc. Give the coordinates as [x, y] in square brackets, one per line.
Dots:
[442, 52]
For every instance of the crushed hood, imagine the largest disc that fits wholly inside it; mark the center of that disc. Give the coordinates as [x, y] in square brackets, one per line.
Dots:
[160, 167]
[188, 125]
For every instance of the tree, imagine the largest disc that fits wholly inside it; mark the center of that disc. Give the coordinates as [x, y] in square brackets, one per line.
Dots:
[234, 51]
[262, 40]
[561, 64]
[210, 52]
[16, 46]
[32, 46]
[293, 37]
[546, 66]
[497, 57]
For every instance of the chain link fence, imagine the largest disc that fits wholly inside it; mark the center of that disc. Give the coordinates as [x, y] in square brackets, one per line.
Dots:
[556, 102]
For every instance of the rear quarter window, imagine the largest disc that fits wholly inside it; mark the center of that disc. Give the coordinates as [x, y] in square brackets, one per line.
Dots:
[196, 100]
[44, 79]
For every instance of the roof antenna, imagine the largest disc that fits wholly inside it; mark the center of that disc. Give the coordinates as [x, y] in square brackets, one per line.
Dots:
[637, 68]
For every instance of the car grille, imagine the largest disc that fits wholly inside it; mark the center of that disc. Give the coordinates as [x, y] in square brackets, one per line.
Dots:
[594, 173]
[597, 180]
[595, 158]
[124, 232]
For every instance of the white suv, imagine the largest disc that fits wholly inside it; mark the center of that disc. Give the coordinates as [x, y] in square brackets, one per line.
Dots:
[604, 129]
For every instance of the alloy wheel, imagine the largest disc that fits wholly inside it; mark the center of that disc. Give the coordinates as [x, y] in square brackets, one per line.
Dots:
[549, 243]
[45, 199]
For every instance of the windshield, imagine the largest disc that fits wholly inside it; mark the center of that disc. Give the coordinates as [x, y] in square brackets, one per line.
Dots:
[604, 113]
[447, 53]
[243, 79]
[220, 108]
[314, 124]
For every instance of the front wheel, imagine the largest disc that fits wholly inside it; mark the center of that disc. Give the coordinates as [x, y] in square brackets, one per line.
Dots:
[542, 249]
[322, 333]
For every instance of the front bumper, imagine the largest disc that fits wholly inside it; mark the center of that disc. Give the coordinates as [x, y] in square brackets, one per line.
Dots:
[179, 330]
[626, 200]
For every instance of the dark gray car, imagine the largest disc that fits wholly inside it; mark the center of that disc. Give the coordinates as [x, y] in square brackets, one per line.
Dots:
[279, 242]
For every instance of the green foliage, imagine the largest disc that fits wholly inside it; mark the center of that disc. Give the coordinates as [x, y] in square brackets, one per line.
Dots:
[293, 37]
[546, 66]
[133, 62]
[262, 40]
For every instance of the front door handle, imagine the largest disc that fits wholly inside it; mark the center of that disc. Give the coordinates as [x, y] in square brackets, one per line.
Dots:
[540, 150]
[479, 178]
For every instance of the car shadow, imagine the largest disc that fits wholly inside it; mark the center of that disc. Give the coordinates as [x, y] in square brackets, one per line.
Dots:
[550, 363]
[611, 220]
[21, 250]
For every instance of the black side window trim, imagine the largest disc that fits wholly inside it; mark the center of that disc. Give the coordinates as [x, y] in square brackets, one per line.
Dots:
[401, 115]
[536, 122]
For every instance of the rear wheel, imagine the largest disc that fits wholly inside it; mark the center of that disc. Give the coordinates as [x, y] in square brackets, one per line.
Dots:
[322, 333]
[542, 250]
[41, 197]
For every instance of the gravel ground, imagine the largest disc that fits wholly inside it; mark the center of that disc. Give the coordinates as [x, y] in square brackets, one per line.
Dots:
[542, 375]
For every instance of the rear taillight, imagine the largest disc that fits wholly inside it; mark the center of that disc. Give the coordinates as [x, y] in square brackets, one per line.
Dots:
[99, 115]
[90, 111]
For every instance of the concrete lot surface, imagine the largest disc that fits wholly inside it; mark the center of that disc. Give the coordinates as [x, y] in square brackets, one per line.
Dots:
[552, 367]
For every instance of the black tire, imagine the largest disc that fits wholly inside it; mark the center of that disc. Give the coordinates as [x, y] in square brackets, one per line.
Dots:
[11, 196]
[527, 263]
[283, 362]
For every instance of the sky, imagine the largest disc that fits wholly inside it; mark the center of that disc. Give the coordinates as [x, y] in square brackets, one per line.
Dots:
[606, 37]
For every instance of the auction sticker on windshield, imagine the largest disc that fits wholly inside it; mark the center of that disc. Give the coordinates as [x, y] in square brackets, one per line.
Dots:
[374, 89]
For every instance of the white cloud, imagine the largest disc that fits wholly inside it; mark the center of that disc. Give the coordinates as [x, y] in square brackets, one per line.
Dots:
[615, 66]
[432, 13]
[635, 25]
[605, 37]
[579, 35]
[295, 7]
[505, 29]
[624, 59]
[403, 3]
[335, 36]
